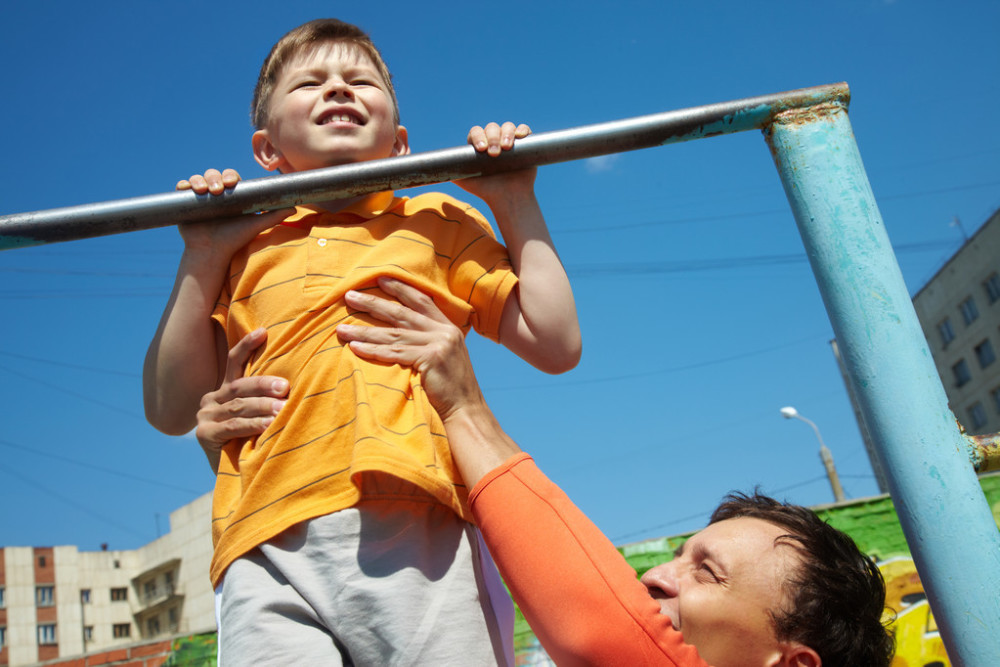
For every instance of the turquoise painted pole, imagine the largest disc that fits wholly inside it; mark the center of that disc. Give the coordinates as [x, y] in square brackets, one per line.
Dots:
[945, 517]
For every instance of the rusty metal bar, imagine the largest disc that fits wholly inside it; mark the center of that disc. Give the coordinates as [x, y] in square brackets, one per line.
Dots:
[984, 451]
[162, 210]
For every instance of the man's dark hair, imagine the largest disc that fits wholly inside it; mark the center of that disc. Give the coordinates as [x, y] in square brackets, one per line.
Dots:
[837, 596]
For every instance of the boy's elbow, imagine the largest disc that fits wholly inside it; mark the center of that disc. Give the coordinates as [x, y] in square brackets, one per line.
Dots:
[165, 421]
[563, 359]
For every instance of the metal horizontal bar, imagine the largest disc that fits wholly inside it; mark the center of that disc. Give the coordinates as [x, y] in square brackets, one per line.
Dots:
[162, 210]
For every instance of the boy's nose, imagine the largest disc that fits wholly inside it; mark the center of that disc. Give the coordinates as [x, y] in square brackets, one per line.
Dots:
[337, 87]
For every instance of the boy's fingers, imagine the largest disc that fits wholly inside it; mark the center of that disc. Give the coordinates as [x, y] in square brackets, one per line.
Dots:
[230, 177]
[507, 134]
[198, 184]
[477, 138]
[183, 184]
[493, 133]
[240, 353]
[214, 179]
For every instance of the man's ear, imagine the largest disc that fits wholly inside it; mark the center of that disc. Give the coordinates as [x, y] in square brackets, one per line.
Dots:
[402, 144]
[797, 655]
[265, 152]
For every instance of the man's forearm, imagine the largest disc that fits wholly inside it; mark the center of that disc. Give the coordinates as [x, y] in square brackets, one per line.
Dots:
[478, 443]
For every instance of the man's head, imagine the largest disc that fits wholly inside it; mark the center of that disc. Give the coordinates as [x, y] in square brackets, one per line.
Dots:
[768, 583]
[325, 96]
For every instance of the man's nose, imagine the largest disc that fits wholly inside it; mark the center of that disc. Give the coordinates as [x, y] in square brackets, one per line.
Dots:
[662, 577]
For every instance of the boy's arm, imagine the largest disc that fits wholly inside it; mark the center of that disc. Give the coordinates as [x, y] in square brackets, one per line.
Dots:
[539, 321]
[186, 357]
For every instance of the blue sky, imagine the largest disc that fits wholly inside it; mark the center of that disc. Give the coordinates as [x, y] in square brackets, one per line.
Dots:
[700, 315]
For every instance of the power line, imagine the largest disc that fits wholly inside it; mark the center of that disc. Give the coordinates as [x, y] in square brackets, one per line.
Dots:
[73, 502]
[83, 397]
[64, 364]
[91, 466]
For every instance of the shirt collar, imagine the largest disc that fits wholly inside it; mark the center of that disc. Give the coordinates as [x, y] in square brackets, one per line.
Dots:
[365, 208]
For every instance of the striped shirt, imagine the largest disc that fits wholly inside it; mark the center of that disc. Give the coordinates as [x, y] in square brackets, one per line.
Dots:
[345, 415]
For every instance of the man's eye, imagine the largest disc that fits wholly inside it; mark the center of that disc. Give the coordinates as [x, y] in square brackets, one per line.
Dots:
[709, 571]
[362, 82]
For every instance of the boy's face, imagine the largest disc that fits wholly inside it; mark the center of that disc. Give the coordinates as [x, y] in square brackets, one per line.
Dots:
[330, 106]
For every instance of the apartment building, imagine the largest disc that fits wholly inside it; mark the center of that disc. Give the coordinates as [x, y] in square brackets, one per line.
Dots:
[59, 601]
[959, 311]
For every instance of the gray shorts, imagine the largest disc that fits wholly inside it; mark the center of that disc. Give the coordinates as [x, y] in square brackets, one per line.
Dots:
[381, 583]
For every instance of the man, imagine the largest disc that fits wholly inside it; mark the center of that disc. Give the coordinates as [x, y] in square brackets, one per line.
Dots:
[764, 584]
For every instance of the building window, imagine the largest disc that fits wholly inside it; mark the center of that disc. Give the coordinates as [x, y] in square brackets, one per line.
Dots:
[47, 634]
[984, 353]
[3, 603]
[84, 596]
[149, 590]
[41, 561]
[3, 636]
[172, 620]
[992, 287]
[996, 399]
[120, 630]
[961, 371]
[977, 416]
[946, 332]
[969, 311]
[153, 626]
[121, 594]
[44, 596]
[88, 633]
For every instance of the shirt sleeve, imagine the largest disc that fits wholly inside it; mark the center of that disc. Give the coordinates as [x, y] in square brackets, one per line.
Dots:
[481, 273]
[578, 593]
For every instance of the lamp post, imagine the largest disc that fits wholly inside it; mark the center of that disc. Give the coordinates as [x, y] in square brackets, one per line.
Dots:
[824, 453]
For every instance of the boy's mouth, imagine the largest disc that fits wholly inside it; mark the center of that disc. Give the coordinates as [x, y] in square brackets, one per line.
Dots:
[340, 117]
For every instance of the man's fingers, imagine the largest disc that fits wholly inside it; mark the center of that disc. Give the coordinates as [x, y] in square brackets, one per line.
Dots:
[412, 298]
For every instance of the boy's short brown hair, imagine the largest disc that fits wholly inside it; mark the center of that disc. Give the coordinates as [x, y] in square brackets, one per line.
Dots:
[308, 35]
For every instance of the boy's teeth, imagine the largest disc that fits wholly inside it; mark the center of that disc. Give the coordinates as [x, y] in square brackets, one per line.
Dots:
[346, 118]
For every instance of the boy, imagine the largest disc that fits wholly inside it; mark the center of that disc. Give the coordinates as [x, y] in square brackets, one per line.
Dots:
[341, 533]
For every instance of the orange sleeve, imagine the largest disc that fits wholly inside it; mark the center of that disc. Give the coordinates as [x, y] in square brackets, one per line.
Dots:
[580, 596]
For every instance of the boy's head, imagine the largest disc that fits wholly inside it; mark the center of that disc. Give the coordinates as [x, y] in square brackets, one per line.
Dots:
[325, 96]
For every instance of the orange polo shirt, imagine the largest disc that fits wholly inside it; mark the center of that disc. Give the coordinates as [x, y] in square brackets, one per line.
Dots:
[345, 415]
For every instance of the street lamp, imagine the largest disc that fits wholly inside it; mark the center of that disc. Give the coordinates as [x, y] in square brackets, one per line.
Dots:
[824, 453]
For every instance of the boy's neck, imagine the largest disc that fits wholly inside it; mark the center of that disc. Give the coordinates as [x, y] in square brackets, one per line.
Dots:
[335, 205]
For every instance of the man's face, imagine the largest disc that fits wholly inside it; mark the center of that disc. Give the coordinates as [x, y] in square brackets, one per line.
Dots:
[330, 106]
[722, 585]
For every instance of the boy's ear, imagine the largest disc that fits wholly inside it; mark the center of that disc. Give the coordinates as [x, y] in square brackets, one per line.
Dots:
[402, 145]
[265, 152]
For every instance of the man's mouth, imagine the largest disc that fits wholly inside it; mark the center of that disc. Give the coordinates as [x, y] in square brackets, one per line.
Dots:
[661, 599]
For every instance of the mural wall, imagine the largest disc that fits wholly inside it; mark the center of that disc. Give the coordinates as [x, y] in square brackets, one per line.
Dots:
[874, 526]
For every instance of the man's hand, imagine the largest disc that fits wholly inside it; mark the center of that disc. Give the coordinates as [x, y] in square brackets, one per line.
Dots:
[418, 335]
[242, 406]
